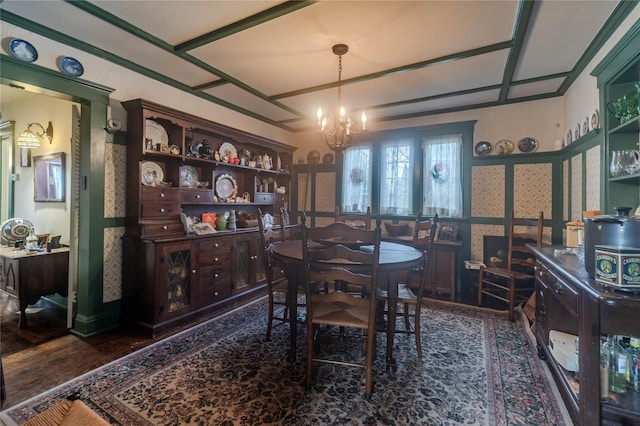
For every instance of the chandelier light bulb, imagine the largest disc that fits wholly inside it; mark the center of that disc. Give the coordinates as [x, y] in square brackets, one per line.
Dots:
[337, 129]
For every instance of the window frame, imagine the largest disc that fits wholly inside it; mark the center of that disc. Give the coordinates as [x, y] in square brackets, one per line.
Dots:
[416, 135]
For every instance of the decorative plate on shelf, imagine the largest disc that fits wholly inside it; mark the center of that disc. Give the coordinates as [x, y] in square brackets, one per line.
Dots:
[152, 173]
[504, 146]
[155, 132]
[595, 120]
[576, 132]
[327, 158]
[483, 148]
[527, 145]
[229, 150]
[585, 126]
[188, 177]
[71, 66]
[174, 149]
[23, 50]
[313, 157]
[568, 139]
[226, 186]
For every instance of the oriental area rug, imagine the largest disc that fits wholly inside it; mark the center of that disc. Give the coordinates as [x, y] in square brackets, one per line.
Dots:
[478, 368]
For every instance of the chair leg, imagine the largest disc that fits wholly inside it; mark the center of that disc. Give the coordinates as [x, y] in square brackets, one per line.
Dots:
[480, 287]
[270, 319]
[416, 328]
[512, 298]
[310, 339]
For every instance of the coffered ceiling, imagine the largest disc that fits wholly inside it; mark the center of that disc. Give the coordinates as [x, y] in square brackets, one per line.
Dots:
[272, 60]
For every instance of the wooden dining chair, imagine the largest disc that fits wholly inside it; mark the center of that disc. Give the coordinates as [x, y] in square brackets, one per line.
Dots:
[358, 220]
[514, 282]
[341, 260]
[409, 301]
[277, 285]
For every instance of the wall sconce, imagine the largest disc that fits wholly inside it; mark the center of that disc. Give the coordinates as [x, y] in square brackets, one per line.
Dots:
[30, 140]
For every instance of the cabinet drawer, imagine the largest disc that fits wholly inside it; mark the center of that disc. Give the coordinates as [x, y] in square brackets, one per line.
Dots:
[195, 196]
[160, 195]
[565, 294]
[214, 284]
[215, 247]
[162, 229]
[160, 210]
[265, 197]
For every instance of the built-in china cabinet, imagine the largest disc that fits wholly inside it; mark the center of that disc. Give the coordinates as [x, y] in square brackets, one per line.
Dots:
[183, 170]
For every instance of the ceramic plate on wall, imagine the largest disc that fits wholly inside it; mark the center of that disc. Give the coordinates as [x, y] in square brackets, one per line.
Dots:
[527, 145]
[504, 146]
[483, 148]
[569, 138]
[595, 120]
[152, 173]
[23, 50]
[71, 66]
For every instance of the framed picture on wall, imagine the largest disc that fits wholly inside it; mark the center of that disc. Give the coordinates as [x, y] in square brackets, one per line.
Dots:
[25, 157]
[446, 231]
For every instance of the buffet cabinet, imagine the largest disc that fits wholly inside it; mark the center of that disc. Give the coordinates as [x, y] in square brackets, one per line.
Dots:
[180, 170]
[569, 302]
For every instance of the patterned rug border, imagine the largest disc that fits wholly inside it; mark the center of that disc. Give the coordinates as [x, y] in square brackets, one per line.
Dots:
[498, 409]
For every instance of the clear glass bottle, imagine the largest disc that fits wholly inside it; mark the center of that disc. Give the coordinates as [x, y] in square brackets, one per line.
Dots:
[616, 167]
[31, 242]
[605, 365]
[634, 382]
[618, 368]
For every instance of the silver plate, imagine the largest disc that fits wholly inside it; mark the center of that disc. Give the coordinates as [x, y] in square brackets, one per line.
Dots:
[226, 186]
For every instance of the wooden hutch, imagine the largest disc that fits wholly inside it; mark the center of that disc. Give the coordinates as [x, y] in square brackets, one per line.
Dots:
[175, 166]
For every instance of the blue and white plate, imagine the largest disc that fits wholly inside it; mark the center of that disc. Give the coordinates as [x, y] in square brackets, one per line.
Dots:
[71, 66]
[23, 50]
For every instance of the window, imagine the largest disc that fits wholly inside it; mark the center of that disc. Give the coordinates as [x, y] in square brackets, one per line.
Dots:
[442, 182]
[356, 181]
[396, 193]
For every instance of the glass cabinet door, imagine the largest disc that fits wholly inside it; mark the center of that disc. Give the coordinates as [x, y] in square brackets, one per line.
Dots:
[176, 263]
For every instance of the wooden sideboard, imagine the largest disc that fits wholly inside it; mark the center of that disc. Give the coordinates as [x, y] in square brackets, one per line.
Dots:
[31, 275]
[568, 301]
[442, 266]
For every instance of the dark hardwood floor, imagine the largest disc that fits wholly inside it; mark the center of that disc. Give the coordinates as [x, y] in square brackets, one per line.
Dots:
[45, 355]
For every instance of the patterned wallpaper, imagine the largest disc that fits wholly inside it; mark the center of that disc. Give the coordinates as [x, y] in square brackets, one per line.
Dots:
[112, 265]
[576, 187]
[114, 206]
[593, 179]
[115, 180]
[325, 197]
[532, 190]
[477, 233]
[487, 191]
[565, 190]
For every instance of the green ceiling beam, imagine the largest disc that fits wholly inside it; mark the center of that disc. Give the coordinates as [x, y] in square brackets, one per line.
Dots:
[243, 24]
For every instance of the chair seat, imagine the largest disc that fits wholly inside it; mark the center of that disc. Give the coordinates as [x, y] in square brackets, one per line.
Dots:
[338, 308]
[505, 273]
[405, 294]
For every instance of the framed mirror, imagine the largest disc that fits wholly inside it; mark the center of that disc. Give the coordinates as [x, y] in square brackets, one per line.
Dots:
[49, 177]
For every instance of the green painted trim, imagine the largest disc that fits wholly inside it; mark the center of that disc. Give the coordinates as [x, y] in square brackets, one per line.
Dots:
[525, 11]
[7, 129]
[120, 138]
[114, 222]
[93, 100]
[90, 325]
[621, 54]
[36, 78]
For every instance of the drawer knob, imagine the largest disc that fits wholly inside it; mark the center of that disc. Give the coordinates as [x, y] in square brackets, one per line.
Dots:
[162, 195]
[216, 245]
[162, 210]
[165, 227]
[215, 293]
[197, 195]
[193, 271]
[216, 275]
[216, 259]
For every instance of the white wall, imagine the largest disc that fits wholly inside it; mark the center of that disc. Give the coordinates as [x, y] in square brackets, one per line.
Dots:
[47, 217]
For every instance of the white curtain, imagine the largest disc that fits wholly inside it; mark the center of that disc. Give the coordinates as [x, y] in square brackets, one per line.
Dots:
[396, 189]
[442, 175]
[356, 180]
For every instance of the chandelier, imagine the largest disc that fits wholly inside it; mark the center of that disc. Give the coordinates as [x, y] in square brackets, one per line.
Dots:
[337, 129]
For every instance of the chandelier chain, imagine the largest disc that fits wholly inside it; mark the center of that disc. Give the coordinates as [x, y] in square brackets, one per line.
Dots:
[339, 80]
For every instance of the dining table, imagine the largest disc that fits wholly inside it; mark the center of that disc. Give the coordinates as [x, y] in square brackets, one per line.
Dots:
[395, 259]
